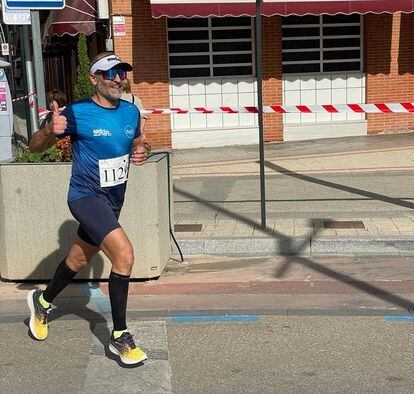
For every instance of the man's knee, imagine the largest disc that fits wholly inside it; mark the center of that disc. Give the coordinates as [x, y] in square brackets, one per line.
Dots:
[124, 260]
[76, 263]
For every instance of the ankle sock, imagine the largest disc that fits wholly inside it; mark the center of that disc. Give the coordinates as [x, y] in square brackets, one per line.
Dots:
[117, 334]
[43, 302]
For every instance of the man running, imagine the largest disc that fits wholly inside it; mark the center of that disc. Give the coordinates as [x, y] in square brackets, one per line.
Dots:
[104, 130]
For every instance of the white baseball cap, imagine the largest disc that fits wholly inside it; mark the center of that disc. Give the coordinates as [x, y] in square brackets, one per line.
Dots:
[107, 62]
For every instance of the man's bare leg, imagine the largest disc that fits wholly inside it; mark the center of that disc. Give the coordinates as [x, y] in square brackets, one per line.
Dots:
[39, 302]
[118, 248]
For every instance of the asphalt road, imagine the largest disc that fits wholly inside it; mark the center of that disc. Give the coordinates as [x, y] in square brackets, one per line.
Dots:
[280, 354]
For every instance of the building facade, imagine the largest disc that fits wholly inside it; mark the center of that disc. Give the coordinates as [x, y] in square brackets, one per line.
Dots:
[209, 61]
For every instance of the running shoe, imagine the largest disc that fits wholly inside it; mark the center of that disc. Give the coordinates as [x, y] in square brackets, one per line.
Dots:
[125, 348]
[38, 315]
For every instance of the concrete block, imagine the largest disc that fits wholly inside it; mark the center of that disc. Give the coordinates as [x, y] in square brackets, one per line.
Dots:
[263, 245]
[386, 245]
[36, 227]
[190, 246]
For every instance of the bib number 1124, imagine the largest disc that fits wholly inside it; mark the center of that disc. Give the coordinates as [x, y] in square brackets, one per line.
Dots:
[113, 172]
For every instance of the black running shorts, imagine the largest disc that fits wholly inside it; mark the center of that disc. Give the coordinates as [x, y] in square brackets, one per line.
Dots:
[96, 219]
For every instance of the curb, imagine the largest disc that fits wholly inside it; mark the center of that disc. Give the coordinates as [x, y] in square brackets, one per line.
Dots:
[391, 245]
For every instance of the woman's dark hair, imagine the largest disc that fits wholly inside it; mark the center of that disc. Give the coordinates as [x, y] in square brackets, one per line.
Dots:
[58, 96]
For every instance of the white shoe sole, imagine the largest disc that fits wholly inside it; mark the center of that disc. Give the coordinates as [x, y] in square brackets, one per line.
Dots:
[127, 361]
[32, 314]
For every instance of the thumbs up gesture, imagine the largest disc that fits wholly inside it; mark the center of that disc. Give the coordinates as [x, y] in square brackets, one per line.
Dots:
[58, 123]
[140, 153]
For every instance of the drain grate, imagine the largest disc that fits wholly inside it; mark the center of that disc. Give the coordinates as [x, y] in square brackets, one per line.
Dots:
[343, 224]
[188, 228]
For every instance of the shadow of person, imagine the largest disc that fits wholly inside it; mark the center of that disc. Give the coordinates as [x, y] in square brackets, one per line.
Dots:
[80, 300]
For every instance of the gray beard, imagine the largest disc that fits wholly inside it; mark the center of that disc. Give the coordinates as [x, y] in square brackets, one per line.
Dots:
[113, 98]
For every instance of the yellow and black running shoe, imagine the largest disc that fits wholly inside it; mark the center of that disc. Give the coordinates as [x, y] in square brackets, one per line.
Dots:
[38, 315]
[125, 348]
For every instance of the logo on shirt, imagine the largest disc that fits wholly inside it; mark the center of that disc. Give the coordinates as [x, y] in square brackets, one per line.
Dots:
[129, 131]
[101, 133]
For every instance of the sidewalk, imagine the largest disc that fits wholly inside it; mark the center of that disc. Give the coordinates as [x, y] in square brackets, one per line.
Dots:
[216, 285]
[232, 229]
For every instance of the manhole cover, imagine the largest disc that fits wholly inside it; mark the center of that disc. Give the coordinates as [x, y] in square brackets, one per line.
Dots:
[343, 224]
[187, 228]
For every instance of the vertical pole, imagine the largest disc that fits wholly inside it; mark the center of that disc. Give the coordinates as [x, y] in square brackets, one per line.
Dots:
[12, 82]
[259, 72]
[38, 59]
[31, 87]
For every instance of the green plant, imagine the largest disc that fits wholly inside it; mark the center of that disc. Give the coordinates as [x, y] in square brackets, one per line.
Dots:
[23, 155]
[83, 88]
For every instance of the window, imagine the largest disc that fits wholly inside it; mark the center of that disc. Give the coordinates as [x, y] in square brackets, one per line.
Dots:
[325, 43]
[210, 47]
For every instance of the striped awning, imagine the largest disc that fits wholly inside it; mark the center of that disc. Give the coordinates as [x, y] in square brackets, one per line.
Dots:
[78, 16]
[204, 8]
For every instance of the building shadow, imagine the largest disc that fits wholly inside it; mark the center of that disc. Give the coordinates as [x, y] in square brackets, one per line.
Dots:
[406, 49]
[333, 185]
[377, 48]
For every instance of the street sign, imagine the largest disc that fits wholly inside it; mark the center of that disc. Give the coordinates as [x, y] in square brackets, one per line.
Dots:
[35, 5]
[15, 17]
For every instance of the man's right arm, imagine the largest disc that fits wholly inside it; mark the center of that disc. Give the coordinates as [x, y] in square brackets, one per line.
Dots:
[46, 137]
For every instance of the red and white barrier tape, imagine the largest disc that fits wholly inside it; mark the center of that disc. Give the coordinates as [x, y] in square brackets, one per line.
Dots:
[377, 108]
[24, 97]
[401, 108]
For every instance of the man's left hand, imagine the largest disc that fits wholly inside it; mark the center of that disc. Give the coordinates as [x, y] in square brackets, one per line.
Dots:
[140, 154]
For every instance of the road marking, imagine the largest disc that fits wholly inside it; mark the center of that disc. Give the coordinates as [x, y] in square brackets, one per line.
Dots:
[104, 375]
[96, 295]
[184, 319]
[399, 319]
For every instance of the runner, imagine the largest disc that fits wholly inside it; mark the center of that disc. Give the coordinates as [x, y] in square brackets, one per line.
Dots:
[104, 130]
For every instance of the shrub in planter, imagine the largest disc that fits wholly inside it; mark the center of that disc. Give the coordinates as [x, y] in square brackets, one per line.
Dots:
[60, 152]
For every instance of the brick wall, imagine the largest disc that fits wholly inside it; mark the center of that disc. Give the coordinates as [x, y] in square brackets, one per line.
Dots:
[145, 46]
[272, 76]
[389, 67]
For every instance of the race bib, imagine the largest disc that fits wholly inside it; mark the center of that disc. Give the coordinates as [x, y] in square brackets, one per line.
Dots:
[113, 172]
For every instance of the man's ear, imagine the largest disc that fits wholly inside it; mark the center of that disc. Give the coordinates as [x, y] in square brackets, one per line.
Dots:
[93, 79]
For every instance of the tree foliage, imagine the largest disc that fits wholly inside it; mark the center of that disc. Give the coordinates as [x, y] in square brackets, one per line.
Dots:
[83, 88]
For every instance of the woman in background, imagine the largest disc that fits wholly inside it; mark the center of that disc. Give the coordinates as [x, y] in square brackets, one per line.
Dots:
[132, 98]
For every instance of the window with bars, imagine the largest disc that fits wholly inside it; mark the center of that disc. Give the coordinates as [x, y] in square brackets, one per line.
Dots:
[210, 47]
[325, 43]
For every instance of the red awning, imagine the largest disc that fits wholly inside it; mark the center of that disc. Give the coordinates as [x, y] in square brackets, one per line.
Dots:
[204, 8]
[78, 16]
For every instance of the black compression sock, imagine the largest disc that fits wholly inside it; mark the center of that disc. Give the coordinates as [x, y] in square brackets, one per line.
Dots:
[63, 276]
[118, 293]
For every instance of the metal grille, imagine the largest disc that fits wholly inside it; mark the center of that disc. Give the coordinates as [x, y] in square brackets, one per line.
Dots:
[325, 43]
[343, 224]
[187, 228]
[210, 47]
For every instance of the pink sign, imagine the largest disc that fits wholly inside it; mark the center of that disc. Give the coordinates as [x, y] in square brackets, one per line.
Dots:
[3, 97]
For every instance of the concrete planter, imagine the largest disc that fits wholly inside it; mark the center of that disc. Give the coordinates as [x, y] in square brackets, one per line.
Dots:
[36, 227]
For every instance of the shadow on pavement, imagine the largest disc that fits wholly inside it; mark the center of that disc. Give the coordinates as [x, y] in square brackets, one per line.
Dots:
[349, 189]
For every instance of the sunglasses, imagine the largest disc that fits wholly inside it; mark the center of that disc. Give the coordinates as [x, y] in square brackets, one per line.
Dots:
[111, 74]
